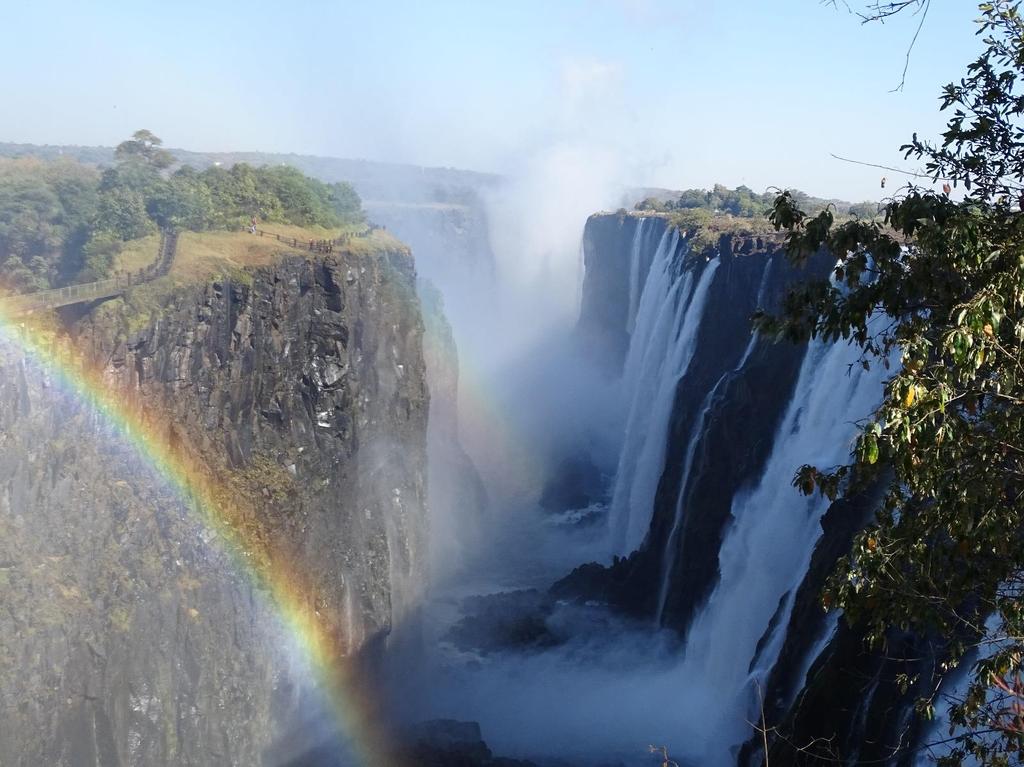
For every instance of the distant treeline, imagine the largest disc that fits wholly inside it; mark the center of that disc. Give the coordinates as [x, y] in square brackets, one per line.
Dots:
[63, 222]
[374, 180]
[744, 202]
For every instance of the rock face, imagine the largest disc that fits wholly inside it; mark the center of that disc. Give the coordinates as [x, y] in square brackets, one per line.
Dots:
[736, 411]
[447, 228]
[128, 635]
[451, 743]
[721, 429]
[451, 239]
[458, 498]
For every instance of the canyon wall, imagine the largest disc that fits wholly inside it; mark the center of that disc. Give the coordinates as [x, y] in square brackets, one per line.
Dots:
[707, 536]
[130, 634]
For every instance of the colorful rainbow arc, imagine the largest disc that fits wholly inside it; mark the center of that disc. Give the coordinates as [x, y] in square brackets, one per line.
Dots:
[346, 688]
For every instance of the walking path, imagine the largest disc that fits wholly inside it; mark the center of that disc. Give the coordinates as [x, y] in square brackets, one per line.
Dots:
[115, 286]
[94, 291]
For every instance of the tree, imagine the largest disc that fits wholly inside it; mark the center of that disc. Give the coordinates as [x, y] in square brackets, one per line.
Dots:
[182, 201]
[98, 255]
[937, 287]
[345, 202]
[144, 147]
[123, 212]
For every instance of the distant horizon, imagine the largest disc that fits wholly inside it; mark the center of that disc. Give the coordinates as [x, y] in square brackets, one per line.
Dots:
[636, 187]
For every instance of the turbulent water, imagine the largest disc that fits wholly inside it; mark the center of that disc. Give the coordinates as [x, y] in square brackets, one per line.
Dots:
[664, 323]
[585, 683]
[766, 553]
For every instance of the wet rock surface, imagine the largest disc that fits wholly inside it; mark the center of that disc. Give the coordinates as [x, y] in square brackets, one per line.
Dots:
[451, 743]
[513, 620]
[129, 634]
[735, 412]
[846, 700]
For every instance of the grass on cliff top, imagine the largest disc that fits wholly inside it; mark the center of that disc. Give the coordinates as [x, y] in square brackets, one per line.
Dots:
[720, 223]
[202, 256]
[707, 227]
[137, 254]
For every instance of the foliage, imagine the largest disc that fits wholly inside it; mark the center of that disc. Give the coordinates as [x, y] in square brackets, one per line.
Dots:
[145, 148]
[705, 229]
[938, 286]
[744, 202]
[45, 211]
[98, 254]
[741, 201]
[182, 201]
[278, 193]
[122, 211]
[62, 222]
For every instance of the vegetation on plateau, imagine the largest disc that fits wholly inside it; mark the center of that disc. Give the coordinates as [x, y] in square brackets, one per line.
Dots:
[744, 202]
[705, 215]
[63, 222]
[936, 290]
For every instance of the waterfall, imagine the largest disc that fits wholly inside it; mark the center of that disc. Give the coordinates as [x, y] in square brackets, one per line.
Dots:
[671, 543]
[767, 549]
[634, 276]
[641, 256]
[664, 334]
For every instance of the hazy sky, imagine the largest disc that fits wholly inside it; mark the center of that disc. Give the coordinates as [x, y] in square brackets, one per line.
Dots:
[678, 94]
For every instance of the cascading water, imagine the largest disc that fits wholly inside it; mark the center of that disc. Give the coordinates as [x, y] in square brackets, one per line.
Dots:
[698, 428]
[766, 552]
[664, 329]
[641, 255]
[561, 673]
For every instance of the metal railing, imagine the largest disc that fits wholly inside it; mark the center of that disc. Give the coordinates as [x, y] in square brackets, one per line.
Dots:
[55, 298]
[93, 291]
[314, 245]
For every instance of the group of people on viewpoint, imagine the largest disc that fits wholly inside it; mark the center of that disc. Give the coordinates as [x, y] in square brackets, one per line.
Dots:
[321, 246]
[315, 246]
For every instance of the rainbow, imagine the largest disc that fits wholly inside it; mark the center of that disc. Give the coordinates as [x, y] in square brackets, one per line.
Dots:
[357, 711]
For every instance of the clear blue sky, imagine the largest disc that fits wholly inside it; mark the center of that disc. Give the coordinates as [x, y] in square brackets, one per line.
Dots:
[680, 93]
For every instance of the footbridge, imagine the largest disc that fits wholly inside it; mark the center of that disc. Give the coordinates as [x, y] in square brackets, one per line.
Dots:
[87, 292]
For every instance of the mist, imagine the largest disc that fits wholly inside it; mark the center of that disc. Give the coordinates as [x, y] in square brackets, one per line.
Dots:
[485, 521]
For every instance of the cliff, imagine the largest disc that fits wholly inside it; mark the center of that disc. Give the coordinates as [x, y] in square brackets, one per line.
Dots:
[129, 635]
[710, 538]
[448, 232]
[457, 497]
[451, 239]
[735, 408]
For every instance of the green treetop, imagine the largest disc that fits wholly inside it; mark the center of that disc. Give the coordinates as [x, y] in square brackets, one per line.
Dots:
[938, 285]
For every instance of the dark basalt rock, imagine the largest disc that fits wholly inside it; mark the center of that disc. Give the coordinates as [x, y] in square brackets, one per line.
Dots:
[849, 697]
[734, 412]
[450, 743]
[607, 243]
[512, 620]
[128, 636]
[575, 484]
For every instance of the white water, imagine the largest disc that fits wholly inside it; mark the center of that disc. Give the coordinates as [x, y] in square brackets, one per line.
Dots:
[695, 434]
[767, 550]
[667, 316]
[641, 255]
[611, 688]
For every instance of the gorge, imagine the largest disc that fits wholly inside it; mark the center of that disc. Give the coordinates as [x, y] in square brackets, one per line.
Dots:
[555, 503]
[699, 613]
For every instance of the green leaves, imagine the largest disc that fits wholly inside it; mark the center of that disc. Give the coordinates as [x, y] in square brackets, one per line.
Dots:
[945, 282]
